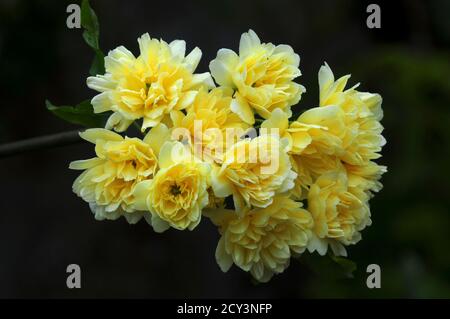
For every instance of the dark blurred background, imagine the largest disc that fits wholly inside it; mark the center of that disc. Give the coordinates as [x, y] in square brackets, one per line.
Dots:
[44, 226]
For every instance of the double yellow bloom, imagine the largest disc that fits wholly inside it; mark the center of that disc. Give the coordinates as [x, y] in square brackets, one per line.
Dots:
[178, 192]
[263, 240]
[109, 179]
[297, 184]
[148, 87]
[261, 75]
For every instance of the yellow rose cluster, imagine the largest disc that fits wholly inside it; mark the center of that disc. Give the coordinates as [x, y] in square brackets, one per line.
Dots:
[230, 150]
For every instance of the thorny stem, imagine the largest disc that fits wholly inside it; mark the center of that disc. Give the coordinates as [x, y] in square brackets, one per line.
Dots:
[39, 143]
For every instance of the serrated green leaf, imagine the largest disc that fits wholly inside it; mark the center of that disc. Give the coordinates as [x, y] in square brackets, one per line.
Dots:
[91, 34]
[81, 114]
[89, 21]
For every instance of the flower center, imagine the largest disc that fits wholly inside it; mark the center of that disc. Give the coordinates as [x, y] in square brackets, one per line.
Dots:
[175, 190]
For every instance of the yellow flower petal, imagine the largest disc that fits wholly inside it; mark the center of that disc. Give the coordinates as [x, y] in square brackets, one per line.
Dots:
[94, 134]
[242, 109]
[222, 67]
[248, 42]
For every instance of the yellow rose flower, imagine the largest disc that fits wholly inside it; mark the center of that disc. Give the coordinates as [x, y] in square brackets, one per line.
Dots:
[178, 192]
[365, 177]
[298, 137]
[209, 121]
[262, 76]
[345, 125]
[160, 80]
[309, 168]
[253, 171]
[361, 138]
[332, 93]
[263, 241]
[109, 179]
[344, 128]
[314, 128]
[339, 214]
[323, 127]
[316, 144]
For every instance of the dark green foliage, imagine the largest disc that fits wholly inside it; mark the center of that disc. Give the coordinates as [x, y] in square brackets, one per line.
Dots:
[81, 114]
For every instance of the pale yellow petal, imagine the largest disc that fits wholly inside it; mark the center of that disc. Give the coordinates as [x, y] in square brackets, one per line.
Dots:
[249, 40]
[241, 107]
[85, 164]
[278, 119]
[94, 134]
[100, 83]
[141, 193]
[192, 59]
[173, 152]
[223, 259]
[202, 79]
[157, 136]
[178, 48]
[220, 185]
[118, 123]
[222, 66]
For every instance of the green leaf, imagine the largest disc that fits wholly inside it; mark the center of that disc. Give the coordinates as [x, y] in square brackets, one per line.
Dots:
[98, 64]
[329, 266]
[90, 38]
[81, 114]
[90, 23]
[348, 266]
[91, 35]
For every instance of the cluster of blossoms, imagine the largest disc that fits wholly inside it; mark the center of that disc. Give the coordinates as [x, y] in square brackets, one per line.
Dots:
[296, 184]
